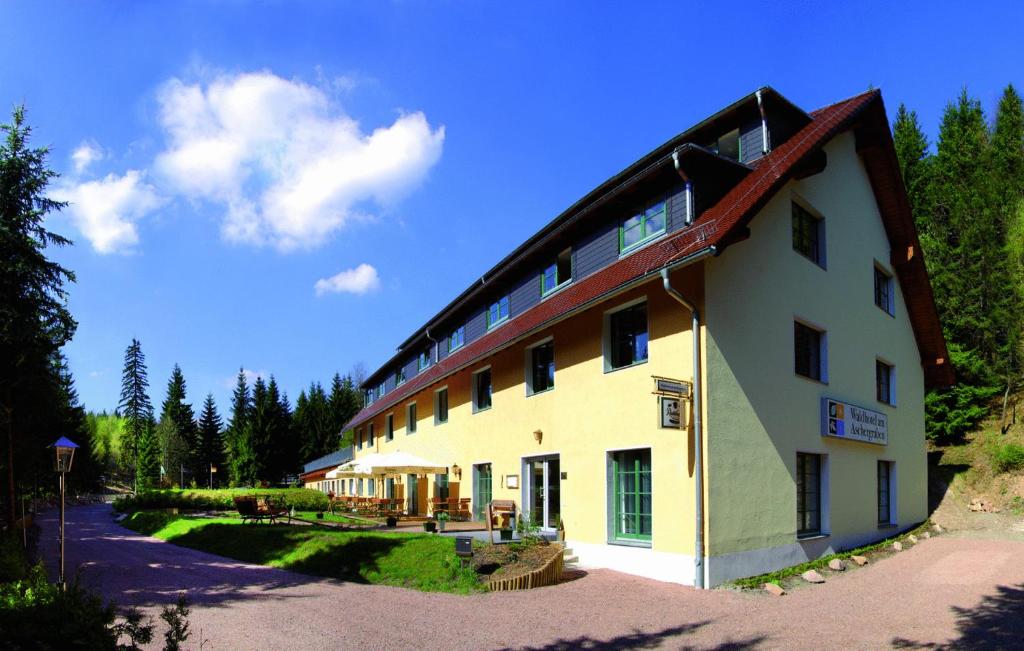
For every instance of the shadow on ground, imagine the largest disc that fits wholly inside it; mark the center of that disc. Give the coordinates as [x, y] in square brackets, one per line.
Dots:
[996, 623]
[639, 640]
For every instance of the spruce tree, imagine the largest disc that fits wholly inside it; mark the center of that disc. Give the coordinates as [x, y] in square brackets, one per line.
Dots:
[1008, 150]
[345, 402]
[912, 152]
[238, 448]
[148, 464]
[178, 439]
[211, 441]
[135, 406]
[257, 434]
[34, 320]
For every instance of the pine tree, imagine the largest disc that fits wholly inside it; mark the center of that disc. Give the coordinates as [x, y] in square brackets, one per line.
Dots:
[135, 406]
[211, 441]
[345, 402]
[34, 319]
[1008, 150]
[257, 433]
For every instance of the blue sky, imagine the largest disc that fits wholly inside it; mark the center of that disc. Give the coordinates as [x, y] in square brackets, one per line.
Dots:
[292, 188]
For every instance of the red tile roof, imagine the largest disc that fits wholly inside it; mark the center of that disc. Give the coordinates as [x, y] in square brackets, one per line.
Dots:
[720, 224]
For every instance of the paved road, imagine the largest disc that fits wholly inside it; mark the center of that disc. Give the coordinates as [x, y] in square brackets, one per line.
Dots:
[946, 591]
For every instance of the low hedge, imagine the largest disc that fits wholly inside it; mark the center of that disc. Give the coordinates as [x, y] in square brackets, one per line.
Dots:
[302, 499]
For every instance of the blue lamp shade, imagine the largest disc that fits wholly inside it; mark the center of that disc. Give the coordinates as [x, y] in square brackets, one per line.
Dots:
[64, 453]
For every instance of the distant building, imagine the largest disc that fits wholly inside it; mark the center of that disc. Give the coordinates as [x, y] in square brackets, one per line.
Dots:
[566, 379]
[314, 473]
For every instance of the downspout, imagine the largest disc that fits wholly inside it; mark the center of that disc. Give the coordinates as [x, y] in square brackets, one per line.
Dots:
[689, 186]
[698, 460]
[764, 123]
[427, 332]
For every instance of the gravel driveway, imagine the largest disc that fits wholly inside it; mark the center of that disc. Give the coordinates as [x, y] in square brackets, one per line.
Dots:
[946, 591]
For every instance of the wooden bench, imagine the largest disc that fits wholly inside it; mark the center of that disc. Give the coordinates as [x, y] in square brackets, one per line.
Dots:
[257, 509]
[505, 509]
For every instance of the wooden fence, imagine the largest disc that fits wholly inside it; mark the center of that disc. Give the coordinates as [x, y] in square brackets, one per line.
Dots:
[549, 574]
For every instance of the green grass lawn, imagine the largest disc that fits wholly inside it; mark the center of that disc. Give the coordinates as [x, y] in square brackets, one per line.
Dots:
[419, 561]
[337, 517]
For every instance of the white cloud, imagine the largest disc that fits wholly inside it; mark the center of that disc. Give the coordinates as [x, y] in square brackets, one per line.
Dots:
[86, 154]
[286, 165]
[105, 210]
[360, 280]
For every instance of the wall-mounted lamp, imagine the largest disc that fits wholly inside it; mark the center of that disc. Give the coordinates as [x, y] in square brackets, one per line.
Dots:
[538, 435]
[457, 471]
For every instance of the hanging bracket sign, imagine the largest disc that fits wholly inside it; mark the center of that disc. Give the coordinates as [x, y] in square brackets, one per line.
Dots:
[664, 386]
[845, 421]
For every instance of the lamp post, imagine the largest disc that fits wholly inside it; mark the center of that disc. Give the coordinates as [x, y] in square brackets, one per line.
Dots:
[213, 469]
[64, 454]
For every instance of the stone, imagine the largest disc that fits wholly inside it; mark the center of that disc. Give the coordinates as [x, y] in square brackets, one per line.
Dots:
[836, 565]
[812, 577]
[937, 528]
[774, 589]
[926, 535]
[859, 560]
[898, 546]
[912, 538]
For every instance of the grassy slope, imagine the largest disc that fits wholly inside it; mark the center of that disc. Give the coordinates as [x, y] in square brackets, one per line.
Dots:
[419, 561]
[969, 469]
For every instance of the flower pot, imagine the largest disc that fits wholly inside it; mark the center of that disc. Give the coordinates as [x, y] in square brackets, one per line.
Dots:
[441, 524]
[392, 522]
[320, 516]
[506, 534]
[429, 527]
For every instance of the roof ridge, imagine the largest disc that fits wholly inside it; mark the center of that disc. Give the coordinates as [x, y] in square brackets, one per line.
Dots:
[821, 109]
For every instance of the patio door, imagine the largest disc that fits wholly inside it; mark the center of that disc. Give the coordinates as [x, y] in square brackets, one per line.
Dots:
[542, 491]
[482, 494]
[414, 494]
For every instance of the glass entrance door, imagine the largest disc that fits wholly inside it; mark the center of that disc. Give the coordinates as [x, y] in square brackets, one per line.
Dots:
[481, 490]
[543, 491]
[414, 493]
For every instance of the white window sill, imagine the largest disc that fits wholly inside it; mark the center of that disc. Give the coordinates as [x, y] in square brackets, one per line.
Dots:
[813, 536]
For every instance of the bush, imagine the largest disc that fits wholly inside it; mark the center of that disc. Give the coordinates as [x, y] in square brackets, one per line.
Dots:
[1008, 457]
[302, 499]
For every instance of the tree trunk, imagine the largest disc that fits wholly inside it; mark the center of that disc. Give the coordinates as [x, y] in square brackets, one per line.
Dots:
[11, 514]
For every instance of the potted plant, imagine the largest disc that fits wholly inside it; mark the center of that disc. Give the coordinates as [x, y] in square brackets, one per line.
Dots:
[319, 515]
[442, 520]
[392, 522]
[430, 526]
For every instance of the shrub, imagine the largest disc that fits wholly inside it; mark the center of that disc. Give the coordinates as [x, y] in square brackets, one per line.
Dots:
[1008, 457]
[302, 499]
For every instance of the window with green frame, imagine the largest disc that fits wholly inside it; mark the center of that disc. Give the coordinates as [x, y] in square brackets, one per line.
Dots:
[631, 479]
[400, 377]
[643, 226]
[424, 359]
[457, 338]
[557, 274]
[497, 312]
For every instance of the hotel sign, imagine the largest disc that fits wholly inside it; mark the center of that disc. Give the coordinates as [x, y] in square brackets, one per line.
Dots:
[845, 421]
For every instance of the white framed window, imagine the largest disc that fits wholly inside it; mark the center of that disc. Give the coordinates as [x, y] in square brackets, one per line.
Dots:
[540, 366]
[482, 389]
[885, 382]
[424, 359]
[808, 233]
[886, 491]
[441, 406]
[626, 335]
[556, 274]
[885, 290]
[810, 351]
[812, 495]
[410, 418]
[400, 377]
[389, 427]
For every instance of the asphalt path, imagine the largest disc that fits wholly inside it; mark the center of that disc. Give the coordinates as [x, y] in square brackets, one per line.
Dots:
[947, 592]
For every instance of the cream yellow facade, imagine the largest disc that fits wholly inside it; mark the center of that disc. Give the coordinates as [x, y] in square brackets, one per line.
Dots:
[761, 413]
[758, 412]
[588, 414]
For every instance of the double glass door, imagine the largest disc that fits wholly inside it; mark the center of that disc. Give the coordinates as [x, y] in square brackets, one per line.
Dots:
[543, 491]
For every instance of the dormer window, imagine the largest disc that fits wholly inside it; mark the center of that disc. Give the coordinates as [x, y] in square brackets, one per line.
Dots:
[457, 339]
[557, 274]
[642, 227]
[400, 377]
[727, 145]
[424, 359]
[369, 397]
[497, 312]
